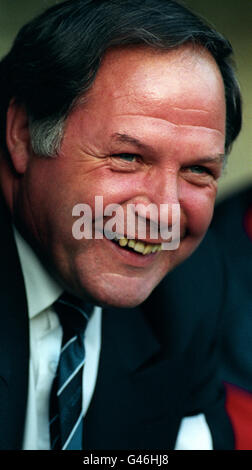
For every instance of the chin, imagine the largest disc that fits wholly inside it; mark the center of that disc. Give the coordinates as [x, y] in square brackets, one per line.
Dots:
[114, 291]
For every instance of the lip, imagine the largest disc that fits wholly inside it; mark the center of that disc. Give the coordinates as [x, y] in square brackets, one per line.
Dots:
[131, 258]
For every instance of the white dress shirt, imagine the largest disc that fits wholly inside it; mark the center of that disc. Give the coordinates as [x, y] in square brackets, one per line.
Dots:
[45, 343]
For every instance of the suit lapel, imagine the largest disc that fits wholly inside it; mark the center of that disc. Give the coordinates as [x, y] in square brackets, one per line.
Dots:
[14, 340]
[131, 335]
[131, 406]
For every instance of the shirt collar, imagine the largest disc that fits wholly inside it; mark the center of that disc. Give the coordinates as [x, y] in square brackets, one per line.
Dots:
[41, 289]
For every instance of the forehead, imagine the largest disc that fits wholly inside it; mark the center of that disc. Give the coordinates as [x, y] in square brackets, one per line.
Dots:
[183, 85]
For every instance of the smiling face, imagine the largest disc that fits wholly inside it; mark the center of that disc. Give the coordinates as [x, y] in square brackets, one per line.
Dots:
[151, 131]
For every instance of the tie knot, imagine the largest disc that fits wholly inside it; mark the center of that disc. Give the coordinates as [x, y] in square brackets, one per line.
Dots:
[73, 312]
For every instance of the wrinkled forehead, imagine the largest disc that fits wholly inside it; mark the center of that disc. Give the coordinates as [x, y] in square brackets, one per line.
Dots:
[183, 85]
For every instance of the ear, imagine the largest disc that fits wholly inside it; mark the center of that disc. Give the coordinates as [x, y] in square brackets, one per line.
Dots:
[18, 136]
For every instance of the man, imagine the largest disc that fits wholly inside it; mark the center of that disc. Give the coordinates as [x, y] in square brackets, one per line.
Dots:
[134, 102]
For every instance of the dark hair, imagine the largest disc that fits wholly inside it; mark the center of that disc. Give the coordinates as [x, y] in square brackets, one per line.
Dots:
[55, 57]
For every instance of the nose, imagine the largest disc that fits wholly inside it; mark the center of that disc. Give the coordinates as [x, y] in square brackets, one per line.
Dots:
[159, 204]
[163, 185]
[163, 190]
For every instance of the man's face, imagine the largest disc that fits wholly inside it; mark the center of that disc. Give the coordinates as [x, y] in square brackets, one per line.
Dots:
[152, 130]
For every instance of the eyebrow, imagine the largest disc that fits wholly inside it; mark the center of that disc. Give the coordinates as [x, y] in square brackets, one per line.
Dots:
[216, 159]
[127, 139]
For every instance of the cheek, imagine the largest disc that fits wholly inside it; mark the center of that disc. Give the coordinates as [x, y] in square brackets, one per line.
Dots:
[114, 187]
[198, 206]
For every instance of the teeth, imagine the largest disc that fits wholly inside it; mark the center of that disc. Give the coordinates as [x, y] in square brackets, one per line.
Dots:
[147, 250]
[123, 242]
[139, 247]
[131, 243]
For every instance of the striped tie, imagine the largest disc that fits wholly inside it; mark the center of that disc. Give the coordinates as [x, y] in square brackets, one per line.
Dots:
[66, 413]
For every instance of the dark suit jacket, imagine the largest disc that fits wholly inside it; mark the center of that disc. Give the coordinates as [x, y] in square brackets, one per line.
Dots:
[158, 362]
[233, 226]
[235, 240]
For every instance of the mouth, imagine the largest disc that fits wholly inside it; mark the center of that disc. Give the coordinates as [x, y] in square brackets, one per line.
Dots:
[137, 246]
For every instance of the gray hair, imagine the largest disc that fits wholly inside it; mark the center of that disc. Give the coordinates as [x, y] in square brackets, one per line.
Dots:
[46, 135]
